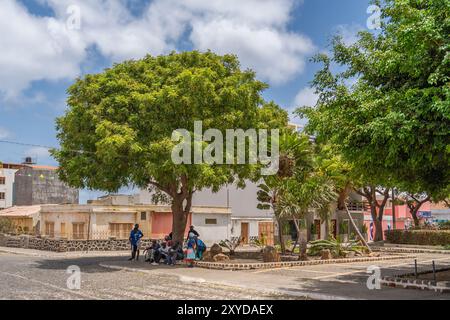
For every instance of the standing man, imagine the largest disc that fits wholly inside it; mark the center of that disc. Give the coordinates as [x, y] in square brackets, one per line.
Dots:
[135, 238]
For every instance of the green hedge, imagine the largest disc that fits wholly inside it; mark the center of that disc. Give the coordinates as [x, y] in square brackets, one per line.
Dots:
[423, 237]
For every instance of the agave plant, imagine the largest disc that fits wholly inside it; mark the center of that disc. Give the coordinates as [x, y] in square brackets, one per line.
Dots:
[336, 247]
[231, 244]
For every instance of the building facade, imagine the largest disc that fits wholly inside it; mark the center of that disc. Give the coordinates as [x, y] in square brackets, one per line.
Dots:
[7, 177]
[247, 221]
[36, 185]
[114, 217]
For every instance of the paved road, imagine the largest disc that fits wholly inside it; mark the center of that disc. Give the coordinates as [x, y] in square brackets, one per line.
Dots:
[109, 277]
[27, 277]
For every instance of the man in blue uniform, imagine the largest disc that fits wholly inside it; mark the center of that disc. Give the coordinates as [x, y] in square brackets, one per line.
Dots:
[135, 238]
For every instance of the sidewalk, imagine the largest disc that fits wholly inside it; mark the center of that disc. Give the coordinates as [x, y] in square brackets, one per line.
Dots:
[74, 254]
[342, 286]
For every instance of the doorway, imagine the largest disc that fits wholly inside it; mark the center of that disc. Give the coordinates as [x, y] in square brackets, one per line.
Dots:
[244, 232]
[266, 232]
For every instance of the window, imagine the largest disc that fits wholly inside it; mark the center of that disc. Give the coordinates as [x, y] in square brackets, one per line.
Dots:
[50, 229]
[78, 231]
[120, 230]
[143, 215]
[210, 221]
[63, 229]
[2, 180]
[2, 196]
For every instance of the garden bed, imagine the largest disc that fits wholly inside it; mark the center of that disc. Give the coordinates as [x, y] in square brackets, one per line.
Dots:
[250, 264]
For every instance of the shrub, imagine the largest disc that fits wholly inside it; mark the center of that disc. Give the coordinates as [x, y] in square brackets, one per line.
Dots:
[444, 225]
[6, 225]
[421, 237]
[336, 247]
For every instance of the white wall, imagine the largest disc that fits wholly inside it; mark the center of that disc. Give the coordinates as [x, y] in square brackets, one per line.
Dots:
[243, 202]
[253, 226]
[7, 188]
[210, 233]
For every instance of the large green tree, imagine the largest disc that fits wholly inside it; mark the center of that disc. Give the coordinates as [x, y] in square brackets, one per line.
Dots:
[385, 100]
[395, 119]
[118, 128]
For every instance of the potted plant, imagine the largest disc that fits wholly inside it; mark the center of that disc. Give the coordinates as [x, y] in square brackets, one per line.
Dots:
[343, 231]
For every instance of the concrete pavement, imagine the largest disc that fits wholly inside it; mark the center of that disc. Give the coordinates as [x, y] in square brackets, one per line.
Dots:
[106, 275]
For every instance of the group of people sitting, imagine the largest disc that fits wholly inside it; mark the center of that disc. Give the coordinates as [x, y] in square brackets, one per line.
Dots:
[169, 251]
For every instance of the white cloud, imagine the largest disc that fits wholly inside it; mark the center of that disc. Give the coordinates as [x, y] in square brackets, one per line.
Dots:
[4, 133]
[349, 32]
[306, 97]
[36, 48]
[41, 155]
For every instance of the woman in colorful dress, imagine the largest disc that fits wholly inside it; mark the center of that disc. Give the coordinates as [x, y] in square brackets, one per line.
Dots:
[191, 250]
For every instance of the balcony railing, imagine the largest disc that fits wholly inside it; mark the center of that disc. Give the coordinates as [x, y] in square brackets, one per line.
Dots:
[357, 206]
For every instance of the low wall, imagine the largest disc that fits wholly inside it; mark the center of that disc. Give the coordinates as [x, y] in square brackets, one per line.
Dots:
[62, 245]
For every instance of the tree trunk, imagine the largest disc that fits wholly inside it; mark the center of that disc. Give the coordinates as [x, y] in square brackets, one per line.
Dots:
[357, 229]
[327, 229]
[302, 243]
[280, 236]
[180, 215]
[378, 230]
[415, 217]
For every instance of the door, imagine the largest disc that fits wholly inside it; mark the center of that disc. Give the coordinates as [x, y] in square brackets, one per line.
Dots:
[266, 232]
[244, 232]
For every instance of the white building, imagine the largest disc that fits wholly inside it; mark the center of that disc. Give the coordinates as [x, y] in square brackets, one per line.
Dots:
[7, 174]
[247, 221]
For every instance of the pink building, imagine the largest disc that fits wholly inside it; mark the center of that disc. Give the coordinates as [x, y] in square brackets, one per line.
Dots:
[403, 218]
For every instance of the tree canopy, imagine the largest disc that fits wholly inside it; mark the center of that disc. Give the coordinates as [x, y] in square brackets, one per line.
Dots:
[389, 109]
[118, 128]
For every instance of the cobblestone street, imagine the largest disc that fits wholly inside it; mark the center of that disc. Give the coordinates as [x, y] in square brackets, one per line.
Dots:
[25, 277]
[43, 275]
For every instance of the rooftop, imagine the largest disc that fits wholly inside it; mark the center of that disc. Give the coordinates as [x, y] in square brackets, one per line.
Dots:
[20, 212]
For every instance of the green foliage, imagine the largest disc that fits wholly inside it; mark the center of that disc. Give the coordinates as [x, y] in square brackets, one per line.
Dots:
[444, 225]
[313, 229]
[392, 124]
[336, 247]
[118, 128]
[6, 225]
[420, 237]
[343, 228]
[231, 244]
[122, 120]
[364, 229]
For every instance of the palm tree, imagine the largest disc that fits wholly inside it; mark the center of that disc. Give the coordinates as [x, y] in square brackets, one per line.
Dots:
[295, 163]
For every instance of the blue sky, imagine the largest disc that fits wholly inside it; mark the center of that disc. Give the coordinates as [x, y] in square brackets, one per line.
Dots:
[46, 44]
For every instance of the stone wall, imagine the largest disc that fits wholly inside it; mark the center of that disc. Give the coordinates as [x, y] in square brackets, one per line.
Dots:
[62, 245]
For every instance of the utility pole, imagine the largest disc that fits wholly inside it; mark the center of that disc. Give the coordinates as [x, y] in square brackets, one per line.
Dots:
[393, 210]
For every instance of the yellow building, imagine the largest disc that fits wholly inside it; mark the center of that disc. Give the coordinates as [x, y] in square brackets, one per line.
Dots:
[105, 219]
[25, 219]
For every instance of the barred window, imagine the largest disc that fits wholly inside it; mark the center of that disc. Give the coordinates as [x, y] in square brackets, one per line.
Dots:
[210, 221]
